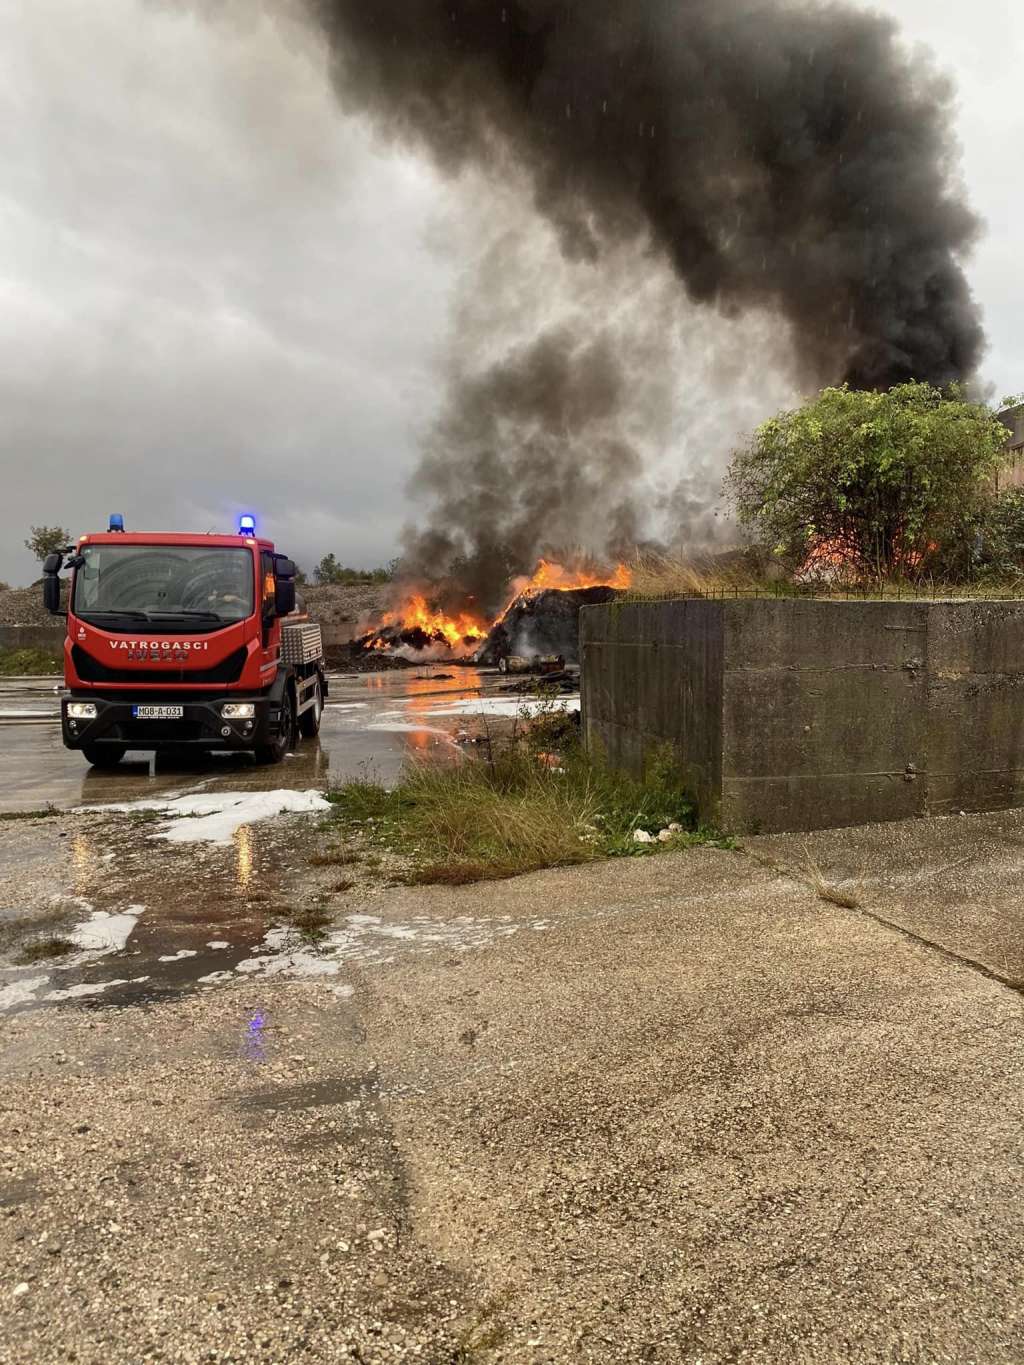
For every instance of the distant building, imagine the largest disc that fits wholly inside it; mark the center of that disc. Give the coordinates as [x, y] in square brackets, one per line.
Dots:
[1012, 473]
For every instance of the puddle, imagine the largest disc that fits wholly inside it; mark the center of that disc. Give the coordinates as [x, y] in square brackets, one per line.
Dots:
[372, 724]
[363, 940]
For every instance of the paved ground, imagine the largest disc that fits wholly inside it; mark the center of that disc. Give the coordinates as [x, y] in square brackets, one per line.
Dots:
[373, 723]
[678, 1109]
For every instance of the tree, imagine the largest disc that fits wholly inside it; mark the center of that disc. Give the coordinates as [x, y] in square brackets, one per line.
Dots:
[330, 571]
[47, 540]
[882, 484]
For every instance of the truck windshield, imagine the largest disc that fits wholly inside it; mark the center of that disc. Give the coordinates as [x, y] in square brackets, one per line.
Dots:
[154, 582]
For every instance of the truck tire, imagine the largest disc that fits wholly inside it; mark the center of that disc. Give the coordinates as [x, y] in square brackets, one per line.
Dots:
[275, 751]
[104, 755]
[309, 721]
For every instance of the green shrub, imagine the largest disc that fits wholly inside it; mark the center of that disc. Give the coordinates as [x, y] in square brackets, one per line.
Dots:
[26, 662]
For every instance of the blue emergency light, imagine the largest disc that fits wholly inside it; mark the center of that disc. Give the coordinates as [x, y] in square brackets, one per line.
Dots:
[247, 525]
[116, 522]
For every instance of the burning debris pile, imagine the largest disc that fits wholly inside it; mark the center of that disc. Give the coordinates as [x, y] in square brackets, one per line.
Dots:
[541, 618]
[541, 624]
[418, 632]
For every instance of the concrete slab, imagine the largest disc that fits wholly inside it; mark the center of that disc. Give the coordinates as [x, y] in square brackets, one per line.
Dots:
[683, 1111]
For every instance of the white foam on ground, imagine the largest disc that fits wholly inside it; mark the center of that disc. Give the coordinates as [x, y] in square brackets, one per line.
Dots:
[218, 944]
[20, 992]
[177, 957]
[505, 706]
[367, 939]
[281, 960]
[104, 933]
[213, 817]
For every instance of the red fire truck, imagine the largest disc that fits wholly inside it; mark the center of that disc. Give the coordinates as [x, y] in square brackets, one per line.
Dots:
[184, 643]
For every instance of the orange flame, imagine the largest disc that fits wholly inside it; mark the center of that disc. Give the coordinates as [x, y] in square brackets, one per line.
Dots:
[549, 574]
[468, 628]
[832, 561]
[415, 614]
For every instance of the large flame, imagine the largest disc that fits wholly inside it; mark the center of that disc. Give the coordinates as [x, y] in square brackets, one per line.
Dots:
[416, 614]
[550, 574]
[465, 630]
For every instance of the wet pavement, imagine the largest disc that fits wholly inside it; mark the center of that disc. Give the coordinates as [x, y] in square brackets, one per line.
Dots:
[665, 1110]
[373, 723]
[135, 888]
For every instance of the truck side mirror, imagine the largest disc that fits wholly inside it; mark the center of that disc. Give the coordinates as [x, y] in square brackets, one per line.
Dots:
[52, 564]
[285, 567]
[284, 596]
[51, 592]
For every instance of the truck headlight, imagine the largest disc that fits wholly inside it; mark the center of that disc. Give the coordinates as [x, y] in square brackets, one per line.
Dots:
[238, 710]
[82, 710]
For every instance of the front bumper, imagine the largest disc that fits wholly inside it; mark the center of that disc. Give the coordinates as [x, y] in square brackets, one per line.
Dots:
[201, 727]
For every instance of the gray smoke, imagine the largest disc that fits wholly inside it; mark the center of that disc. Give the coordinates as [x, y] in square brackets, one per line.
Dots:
[780, 156]
[527, 455]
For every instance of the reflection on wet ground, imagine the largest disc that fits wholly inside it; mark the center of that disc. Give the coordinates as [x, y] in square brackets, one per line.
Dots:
[372, 723]
[150, 903]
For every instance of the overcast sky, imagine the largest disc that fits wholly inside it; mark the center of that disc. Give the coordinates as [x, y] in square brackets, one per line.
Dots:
[217, 294]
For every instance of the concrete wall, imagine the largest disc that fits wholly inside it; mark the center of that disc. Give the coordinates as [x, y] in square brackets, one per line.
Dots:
[49, 638]
[789, 715]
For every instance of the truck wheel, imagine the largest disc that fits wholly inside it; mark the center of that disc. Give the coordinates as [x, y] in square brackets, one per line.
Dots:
[309, 721]
[276, 750]
[104, 755]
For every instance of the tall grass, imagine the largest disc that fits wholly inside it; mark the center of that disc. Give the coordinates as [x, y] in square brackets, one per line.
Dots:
[663, 576]
[512, 812]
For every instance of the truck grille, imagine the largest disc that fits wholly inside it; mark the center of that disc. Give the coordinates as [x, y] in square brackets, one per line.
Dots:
[229, 670]
[143, 732]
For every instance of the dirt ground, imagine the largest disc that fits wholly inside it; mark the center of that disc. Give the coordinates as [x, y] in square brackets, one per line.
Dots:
[673, 1109]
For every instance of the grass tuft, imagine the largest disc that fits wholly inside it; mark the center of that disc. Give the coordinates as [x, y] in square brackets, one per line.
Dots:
[833, 893]
[339, 858]
[44, 950]
[310, 922]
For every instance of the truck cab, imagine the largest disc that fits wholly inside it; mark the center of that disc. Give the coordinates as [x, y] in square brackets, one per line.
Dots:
[184, 642]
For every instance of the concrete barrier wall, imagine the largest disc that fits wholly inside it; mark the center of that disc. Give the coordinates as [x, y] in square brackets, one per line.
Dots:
[48, 638]
[789, 715]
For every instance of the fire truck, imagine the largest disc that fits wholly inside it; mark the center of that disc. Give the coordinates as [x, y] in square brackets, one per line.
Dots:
[184, 643]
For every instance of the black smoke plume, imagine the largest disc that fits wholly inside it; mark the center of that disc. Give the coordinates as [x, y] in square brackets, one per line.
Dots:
[781, 156]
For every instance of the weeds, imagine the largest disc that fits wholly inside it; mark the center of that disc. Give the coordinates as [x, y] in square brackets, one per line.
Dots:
[811, 876]
[310, 922]
[339, 858]
[29, 814]
[15, 663]
[44, 950]
[518, 808]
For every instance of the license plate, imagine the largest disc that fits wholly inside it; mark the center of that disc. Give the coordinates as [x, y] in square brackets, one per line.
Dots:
[158, 712]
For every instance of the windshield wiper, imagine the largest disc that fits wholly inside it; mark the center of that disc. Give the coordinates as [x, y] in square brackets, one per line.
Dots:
[132, 613]
[191, 615]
